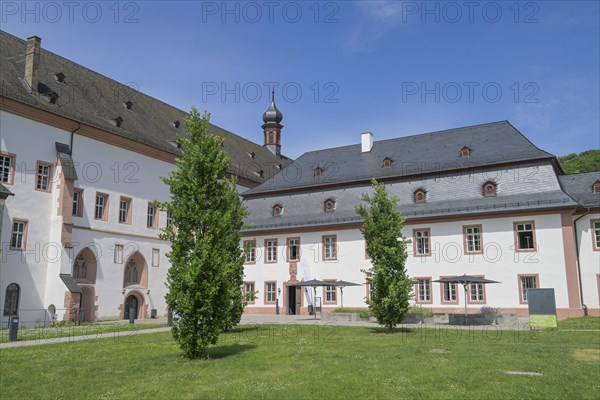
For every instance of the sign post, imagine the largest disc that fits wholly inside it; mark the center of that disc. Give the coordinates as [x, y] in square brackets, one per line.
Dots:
[542, 308]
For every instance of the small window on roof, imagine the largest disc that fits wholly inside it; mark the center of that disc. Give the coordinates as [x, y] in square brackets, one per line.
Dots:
[60, 78]
[53, 97]
[318, 171]
[387, 162]
[252, 155]
[329, 205]
[277, 210]
[596, 187]
[260, 173]
[176, 124]
[420, 196]
[489, 189]
[465, 152]
[128, 105]
[279, 167]
[118, 121]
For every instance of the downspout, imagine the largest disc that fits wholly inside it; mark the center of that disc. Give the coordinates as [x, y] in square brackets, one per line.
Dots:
[585, 309]
[72, 134]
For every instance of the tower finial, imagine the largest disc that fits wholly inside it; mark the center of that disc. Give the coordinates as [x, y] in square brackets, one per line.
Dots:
[273, 95]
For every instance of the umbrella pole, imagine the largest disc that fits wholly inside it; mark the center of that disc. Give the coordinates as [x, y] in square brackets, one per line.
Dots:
[342, 295]
[465, 288]
[315, 302]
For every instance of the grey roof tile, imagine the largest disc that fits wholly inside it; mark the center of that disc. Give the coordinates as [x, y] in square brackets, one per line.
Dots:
[579, 187]
[96, 100]
[490, 144]
[4, 191]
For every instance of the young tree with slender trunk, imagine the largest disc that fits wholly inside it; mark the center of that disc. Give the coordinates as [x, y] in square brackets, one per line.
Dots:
[386, 246]
[206, 273]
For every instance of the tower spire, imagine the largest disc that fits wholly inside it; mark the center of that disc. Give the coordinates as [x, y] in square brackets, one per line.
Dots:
[272, 127]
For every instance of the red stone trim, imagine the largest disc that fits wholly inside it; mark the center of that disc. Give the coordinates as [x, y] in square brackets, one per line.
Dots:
[245, 242]
[244, 291]
[79, 202]
[569, 251]
[323, 249]
[537, 285]
[428, 230]
[265, 295]
[417, 279]
[25, 230]
[465, 242]
[51, 177]
[516, 236]
[484, 301]
[267, 251]
[129, 201]
[287, 251]
[325, 292]
[592, 222]
[442, 301]
[11, 168]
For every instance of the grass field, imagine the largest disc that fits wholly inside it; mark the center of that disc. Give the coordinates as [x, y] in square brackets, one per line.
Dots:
[87, 329]
[313, 361]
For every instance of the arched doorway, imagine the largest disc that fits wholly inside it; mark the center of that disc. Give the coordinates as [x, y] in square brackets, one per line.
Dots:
[131, 305]
[11, 299]
[88, 303]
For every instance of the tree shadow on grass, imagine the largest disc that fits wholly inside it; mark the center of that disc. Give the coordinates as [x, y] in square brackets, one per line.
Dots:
[224, 351]
[402, 329]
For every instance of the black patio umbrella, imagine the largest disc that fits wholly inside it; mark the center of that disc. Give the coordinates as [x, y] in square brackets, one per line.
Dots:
[342, 284]
[465, 280]
[314, 283]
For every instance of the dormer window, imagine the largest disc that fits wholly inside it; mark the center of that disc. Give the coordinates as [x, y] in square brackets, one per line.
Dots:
[128, 105]
[420, 196]
[465, 152]
[596, 187]
[329, 205]
[318, 171]
[489, 189]
[176, 124]
[118, 121]
[387, 162]
[277, 210]
[60, 78]
[53, 97]
[252, 155]
[279, 167]
[260, 173]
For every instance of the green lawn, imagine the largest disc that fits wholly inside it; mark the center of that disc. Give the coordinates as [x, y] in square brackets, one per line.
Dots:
[305, 361]
[580, 323]
[87, 329]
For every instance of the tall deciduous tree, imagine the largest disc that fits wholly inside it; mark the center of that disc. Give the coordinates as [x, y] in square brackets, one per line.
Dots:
[206, 273]
[386, 246]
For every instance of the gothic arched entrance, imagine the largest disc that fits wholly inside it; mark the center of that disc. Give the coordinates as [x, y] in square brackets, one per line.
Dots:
[131, 305]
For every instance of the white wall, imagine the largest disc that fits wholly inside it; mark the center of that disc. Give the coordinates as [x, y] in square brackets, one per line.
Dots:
[589, 262]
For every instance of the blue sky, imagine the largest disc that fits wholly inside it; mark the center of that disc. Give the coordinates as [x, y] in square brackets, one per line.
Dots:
[342, 68]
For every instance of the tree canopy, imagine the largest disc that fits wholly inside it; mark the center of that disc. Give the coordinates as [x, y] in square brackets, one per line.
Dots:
[587, 161]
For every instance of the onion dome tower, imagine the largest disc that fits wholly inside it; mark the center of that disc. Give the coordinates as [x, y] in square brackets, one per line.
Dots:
[272, 127]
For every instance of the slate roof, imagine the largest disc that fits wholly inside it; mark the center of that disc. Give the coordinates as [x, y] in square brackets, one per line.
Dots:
[94, 99]
[492, 143]
[579, 187]
[70, 283]
[4, 191]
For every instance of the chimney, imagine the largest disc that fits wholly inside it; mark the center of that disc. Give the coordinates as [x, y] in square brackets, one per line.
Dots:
[366, 141]
[32, 61]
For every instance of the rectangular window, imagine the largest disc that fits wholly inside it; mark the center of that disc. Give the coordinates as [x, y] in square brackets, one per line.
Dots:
[7, 168]
[423, 290]
[155, 257]
[169, 219]
[19, 235]
[125, 210]
[449, 293]
[524, 236]
[293, 249]
[526, 282]
[422, 242]
[249, 292]
[476, 293]
[42, 177]
[330, 247]
[330, 293]
[271, 250]
[152, 216]
[270, 292]
[596, 234]
[101, 211]
[77, 202]
[250, 251]
[472, 236]
[119, 254]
